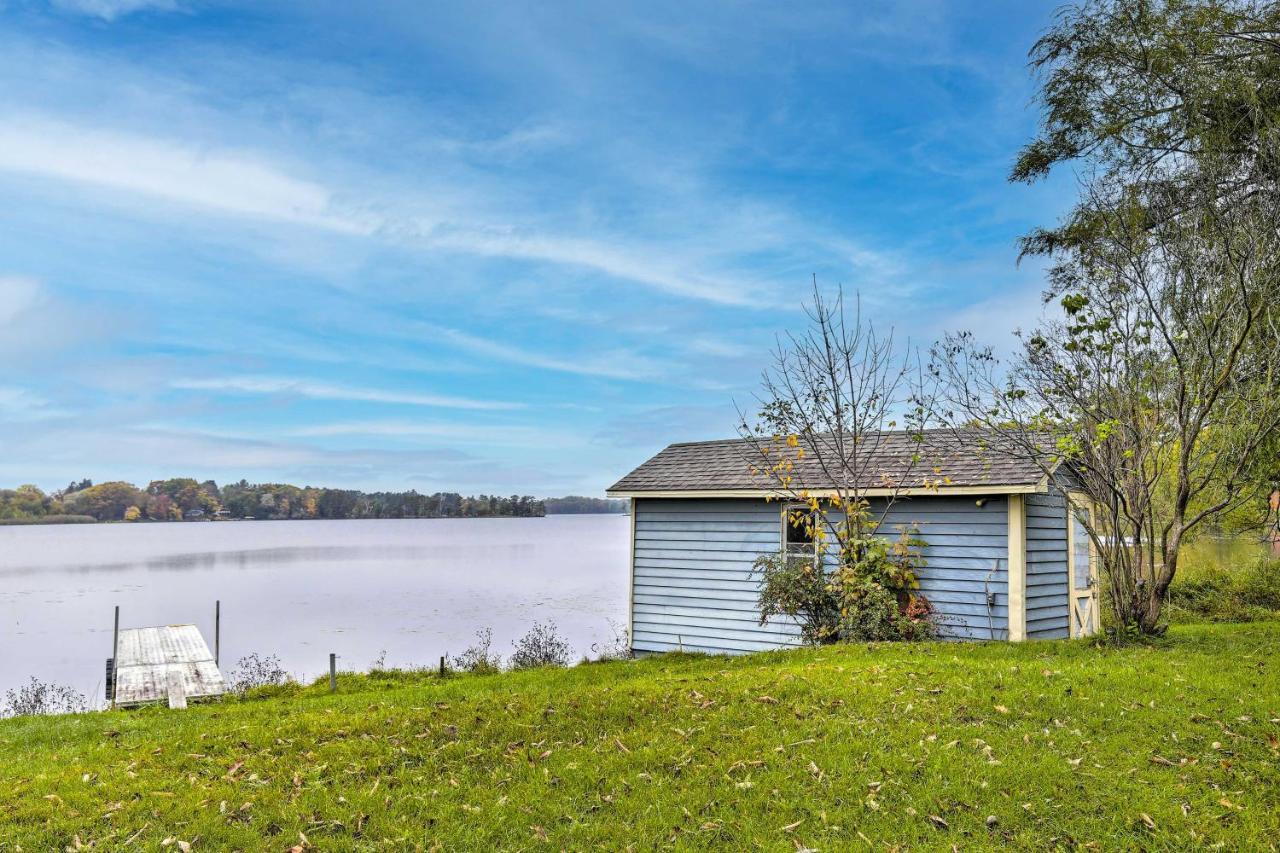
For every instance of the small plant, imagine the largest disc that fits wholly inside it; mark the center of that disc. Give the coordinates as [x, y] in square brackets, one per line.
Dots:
[255, 670]
[616, 648]
[477, 658]
[797, 587]
[542, 646]
[37, 697]
[869, 594]
[379, 664]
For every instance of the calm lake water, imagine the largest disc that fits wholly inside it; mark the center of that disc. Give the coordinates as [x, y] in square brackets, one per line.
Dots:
[301, 589]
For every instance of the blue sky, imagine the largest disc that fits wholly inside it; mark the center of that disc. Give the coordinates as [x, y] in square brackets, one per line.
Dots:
[478, 247]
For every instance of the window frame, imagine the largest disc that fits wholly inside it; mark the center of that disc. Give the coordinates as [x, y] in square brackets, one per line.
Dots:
[811, 551]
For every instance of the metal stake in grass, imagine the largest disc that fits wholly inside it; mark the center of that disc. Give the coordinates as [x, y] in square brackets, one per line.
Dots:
[217, 632]
[115, 657]
[333, 672]
[442, 666]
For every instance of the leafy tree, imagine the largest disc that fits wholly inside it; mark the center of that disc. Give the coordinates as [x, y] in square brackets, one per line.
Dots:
[1146, 93]
[106, 501]
[1157, 383]
[830, 403]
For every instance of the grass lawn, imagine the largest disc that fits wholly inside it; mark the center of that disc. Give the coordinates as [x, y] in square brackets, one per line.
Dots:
[1055, 744]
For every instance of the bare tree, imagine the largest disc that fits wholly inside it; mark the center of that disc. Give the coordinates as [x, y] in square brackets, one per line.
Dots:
[1158, 385]
[841, 417]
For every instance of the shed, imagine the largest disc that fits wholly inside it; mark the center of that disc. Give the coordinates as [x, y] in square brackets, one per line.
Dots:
[167, 662]
[1006, 555]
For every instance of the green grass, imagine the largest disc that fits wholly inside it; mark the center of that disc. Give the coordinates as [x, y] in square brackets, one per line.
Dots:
[1225, 581]
[1164, 746]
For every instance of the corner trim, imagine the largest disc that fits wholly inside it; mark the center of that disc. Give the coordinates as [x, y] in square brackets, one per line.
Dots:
[1017, 568]
[631, 583]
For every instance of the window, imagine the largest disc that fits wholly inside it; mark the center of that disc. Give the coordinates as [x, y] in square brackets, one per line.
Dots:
[797, 531]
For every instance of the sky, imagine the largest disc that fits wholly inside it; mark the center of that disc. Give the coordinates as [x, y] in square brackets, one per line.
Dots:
[479, 247]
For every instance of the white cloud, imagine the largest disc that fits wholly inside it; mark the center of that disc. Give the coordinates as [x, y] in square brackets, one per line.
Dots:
[245, 184]
[17, 294]
[471, 434]
[611, 365]
[225, 181]
[324, 391]
[611, 258]
[109, 10]
[19, 404]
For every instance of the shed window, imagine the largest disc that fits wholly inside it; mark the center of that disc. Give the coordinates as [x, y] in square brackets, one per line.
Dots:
[797, 531]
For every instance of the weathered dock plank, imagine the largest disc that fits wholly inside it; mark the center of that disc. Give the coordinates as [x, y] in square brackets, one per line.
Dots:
[165, 662]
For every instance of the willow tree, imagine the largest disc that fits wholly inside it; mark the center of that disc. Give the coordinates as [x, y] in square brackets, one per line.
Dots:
[1158, 385]
[1157, 380]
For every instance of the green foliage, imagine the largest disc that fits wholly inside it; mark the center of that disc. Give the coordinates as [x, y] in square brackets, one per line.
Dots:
[576, 504]
[1238, 585]
[1149, 91]
[795, 587]
[542, 646]
[870, 593]
[182, 498]
[477, 658]
[882, 746]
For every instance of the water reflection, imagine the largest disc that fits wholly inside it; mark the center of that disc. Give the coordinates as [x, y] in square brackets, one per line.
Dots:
[417, 589]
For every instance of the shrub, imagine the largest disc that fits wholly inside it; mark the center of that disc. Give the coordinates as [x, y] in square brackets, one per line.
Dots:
[477, 658]
[1212, 591]
[37, 697]
[616, 648]
[869, 594]
[793, 586]
[254, 670]
[542, 646]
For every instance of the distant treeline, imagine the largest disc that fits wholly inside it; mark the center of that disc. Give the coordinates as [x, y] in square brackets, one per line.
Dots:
[185, 499]
[576, 504]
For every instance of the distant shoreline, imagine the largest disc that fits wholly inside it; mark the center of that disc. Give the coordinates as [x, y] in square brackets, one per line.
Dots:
[59, 520]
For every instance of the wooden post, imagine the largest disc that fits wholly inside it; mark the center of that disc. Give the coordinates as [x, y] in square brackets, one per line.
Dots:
[115, 657]
[442, 666]
[333, 672]
[1017, 569]
[217, 633]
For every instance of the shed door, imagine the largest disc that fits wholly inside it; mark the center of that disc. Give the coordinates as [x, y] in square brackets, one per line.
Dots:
[1084, 575]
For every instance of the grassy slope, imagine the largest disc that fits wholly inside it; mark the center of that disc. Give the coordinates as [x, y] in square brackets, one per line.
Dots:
[1062, 742]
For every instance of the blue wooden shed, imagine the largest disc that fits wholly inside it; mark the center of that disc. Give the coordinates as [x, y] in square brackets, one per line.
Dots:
[1007, 557]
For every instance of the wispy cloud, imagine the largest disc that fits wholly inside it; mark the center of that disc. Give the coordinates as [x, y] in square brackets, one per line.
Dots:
[17, 294]
[613, 258]
[219, 180]
[611, 365]
[109, 10]
[291, 387]
[20, 404]
[470, 434]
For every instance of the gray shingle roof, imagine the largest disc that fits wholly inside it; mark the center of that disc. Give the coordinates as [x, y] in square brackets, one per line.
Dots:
[942, 459]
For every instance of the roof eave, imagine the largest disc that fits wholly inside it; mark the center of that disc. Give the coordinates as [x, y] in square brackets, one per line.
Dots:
[1039, 487]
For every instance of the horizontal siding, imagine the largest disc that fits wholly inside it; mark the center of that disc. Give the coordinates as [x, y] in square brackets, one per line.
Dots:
[966, 555]
[694, 586]
[695, 589]
[1047, 593]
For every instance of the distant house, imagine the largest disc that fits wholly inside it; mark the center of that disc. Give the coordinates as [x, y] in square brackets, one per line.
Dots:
[193, 514]
[1006, 557]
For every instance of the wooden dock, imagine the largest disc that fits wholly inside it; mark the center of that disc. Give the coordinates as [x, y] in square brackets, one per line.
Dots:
[170, 662]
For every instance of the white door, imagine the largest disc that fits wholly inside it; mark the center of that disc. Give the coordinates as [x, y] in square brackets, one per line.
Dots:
[1082, 571]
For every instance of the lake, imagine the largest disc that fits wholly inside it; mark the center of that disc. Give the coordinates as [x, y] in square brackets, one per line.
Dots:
[414, 588]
